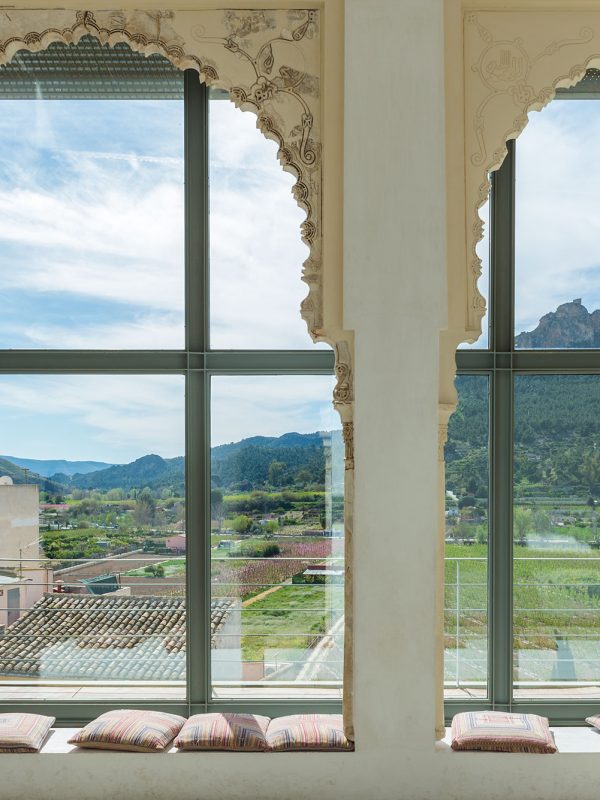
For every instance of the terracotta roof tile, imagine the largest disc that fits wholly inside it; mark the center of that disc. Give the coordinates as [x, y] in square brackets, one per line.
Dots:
[70, 636]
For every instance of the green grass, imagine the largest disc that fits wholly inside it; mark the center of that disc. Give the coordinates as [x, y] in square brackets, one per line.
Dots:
[552, 597]
[290, 610]
[172, 566]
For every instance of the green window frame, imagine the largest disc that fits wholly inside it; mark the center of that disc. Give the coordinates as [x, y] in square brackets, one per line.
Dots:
[197, 362]
[501, 363]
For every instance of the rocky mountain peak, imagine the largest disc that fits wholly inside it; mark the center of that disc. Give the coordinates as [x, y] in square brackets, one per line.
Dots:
[570, 326]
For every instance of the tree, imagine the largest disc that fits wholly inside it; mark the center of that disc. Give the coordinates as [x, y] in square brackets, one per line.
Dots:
[145, 508]
[241, 524]
[216, 505]
[590, 472]
[522, 520]
[276, 473]
[466, 502]
[303, 477]
[592, 503]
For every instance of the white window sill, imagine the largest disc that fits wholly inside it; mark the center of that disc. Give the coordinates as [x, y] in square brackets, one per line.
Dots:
[568, 740]
[57, 743]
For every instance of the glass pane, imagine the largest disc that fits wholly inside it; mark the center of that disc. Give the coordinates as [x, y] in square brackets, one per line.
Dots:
[92, 537]
[556, 541]
[91, 200]
[557, 291]
[467, 482]
[256, 253]
[277, 544]
[483, 284]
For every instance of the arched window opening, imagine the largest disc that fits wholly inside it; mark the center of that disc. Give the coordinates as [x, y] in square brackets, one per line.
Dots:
[166, 413]
[522, 472]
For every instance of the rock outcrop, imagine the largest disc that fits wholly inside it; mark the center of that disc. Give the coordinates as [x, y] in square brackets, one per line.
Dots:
[570, 326]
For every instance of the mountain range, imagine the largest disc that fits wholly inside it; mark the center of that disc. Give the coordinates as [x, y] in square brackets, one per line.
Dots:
[51, 467]
[248, 464]
[260, 461]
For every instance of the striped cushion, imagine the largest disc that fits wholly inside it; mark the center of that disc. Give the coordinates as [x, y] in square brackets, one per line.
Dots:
[127, 729]
[224, 732]
[501, 732]
[308, 732]
[594, 721]
[23, 733]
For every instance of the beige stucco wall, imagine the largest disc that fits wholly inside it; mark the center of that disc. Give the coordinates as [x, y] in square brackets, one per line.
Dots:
[19, 525]
[394, 245]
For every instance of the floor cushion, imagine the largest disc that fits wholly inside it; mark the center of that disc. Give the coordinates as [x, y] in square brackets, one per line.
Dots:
[594, 721]
[307, 732]
[23, 733]
[130, 729]
[224, 732]
[501, 732]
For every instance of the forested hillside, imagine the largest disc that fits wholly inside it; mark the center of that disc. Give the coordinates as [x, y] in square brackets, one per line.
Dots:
[292, 460]
[557, 430]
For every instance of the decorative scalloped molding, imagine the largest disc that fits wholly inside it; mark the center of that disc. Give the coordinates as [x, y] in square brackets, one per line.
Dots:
[514, 62]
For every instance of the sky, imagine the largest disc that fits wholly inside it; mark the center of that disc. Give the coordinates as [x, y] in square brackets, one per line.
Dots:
[557, 238]
[118, 418]
[91, 256]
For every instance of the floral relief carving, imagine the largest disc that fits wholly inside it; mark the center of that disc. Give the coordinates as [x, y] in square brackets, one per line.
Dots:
[514, 63]
[348, 434]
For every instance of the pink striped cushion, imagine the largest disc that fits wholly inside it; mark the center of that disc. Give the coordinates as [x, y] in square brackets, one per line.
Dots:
[129, 729]
[23, 733]
[594, 721]
[501, 732]
[224, 732]
[308, 732]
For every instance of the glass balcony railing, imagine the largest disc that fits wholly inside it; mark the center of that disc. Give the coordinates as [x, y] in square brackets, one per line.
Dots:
[556, 638]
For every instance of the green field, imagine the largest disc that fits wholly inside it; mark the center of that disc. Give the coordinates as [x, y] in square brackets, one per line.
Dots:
[172, 566]
[301, 610]
[556, 593]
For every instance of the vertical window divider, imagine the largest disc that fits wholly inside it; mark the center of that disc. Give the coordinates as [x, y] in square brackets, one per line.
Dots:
[196, 406]
[502, 257]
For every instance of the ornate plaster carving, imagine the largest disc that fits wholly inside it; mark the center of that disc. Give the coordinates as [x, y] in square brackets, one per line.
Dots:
[514, 62]
[348, 434]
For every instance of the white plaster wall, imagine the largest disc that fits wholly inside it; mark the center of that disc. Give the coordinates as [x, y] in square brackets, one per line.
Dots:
[394, 250]
[19, 523]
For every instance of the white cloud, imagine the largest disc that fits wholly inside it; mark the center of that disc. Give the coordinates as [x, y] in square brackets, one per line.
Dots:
[104, 417]
[158, 332]
[256, 250]
[93, 240]
[111, 228]
[558, 210]
[244, 406]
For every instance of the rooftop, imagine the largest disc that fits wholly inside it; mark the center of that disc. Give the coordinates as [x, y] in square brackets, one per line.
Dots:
[89, 637]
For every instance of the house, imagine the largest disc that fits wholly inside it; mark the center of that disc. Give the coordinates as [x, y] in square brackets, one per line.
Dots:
[176, 543]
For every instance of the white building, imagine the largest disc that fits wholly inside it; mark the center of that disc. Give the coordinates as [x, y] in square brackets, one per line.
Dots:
[23, 577]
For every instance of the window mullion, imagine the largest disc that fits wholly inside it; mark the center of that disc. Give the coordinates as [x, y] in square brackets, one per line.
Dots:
[196, 305]
[196, 212]
[502, 257]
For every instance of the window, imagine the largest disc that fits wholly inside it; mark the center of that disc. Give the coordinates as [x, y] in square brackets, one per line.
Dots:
[522, 557]
[171, 473]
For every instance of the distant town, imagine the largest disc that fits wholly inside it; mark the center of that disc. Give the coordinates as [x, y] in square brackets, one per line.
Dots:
[91, 542]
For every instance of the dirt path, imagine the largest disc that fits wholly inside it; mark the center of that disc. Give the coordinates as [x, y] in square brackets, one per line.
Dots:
[260, 596]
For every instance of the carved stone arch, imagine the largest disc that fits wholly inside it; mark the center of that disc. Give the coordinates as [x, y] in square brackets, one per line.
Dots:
[512, 63]
[269, 63]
